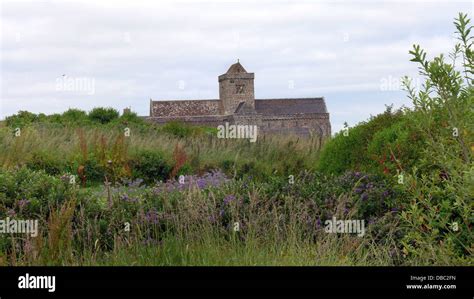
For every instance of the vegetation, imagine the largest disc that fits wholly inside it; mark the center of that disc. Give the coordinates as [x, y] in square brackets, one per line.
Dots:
[115, 190]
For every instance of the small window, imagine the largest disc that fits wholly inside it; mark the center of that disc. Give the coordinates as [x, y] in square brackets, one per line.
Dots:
[240, 89]
[231, 81]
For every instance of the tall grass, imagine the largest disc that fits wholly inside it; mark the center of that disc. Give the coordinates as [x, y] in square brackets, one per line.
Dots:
[71, 146]
[272, 232]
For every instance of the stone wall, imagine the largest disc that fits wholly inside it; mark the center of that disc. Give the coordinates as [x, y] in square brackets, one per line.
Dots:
[234, 89]
[303, 125]
[315, 123]
[184, 108]
[211, 121]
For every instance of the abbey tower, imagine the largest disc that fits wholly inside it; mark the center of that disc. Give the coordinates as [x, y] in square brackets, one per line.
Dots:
[236, 86]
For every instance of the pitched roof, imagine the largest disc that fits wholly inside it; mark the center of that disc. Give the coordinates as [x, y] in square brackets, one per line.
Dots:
[290, 106]
[236, 68]
[185, 108]
[263, 106]
[243, 108]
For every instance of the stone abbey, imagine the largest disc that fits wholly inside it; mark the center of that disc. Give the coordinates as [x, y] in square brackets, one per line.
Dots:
[237, 105]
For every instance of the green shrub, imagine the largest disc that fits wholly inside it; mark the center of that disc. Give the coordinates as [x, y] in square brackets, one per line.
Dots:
[50, 163]
[54, 118]
[150, 166]
[343, 153]
[228, 166]
[396, 148]
[21, 119]
[131, 117]
[94, 171]
[178, 129]
[74, 117]
[371, 195]
[350, 152]
[42, 191]
[249, 169]
[103, 115]
[438, 214]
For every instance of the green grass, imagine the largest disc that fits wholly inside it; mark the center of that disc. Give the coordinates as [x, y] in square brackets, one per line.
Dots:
[69, 147]
[219, 252]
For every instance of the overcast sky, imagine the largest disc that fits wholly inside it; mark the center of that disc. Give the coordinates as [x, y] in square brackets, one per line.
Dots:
[122, 53]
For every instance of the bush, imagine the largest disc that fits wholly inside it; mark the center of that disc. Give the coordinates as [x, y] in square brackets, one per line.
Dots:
[438, 217]
[250, 169]
[74, 117]
[103, 115]
[343, 153]
[133, 122]
[150, 166]
[131, 117]
[55, 118]
[93, 170]
[371, 195]
[177, 129]
[182, 130]
[396, 148]
[21, 119]
[46, 161]
[39, 190]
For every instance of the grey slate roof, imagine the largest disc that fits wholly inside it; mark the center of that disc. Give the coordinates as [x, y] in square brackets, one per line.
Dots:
[263, 106]
[243, 108]
[290, 106]
[185, 108]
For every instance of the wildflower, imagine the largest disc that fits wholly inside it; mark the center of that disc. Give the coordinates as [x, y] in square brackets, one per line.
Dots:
[11, 213]
[22, 203]
[152, 217]
[201, 183]
[126, 198]
[229, 198]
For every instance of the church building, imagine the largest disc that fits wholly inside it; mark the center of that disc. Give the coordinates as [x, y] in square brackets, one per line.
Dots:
[237, 105]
